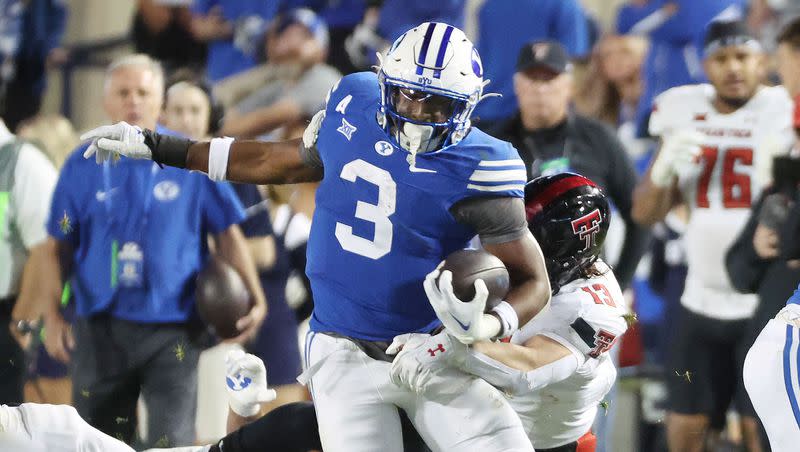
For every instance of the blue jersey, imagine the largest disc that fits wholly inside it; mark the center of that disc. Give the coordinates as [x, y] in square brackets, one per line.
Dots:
[381, 225]
[795, 298]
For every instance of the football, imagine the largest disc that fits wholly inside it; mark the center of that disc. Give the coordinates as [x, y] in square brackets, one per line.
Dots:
[469, 265]
[221, 297]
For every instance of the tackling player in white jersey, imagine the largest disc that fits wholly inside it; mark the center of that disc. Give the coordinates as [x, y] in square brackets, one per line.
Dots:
[555, 371]
[714, 139]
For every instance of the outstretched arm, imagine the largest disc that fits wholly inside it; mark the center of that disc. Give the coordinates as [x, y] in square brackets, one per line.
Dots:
[257, 162]
[254, 162]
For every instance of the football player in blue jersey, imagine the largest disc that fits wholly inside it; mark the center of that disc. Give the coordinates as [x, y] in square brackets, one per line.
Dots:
[405, 180]
[772, 376]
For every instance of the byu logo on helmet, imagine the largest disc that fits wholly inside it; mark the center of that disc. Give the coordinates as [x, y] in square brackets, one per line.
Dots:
[587, 226]
[238, 383]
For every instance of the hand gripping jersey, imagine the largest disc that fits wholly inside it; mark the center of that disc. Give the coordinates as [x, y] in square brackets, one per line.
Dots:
[586, 316]
[721, 187]
[381, 224]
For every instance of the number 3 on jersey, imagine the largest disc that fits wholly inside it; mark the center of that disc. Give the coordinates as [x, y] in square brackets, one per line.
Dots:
[378, 214]
[732, 197]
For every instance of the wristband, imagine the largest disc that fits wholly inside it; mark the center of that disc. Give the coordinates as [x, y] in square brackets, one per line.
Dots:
[509, 321]
[218, 153]
[167, 150]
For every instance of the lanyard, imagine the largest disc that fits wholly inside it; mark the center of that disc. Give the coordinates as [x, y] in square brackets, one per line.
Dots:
[108, 195]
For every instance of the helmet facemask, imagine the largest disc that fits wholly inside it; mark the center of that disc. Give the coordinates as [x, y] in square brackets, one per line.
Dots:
[421, 121]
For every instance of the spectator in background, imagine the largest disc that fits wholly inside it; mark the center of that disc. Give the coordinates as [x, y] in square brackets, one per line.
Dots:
[54, 135]
[505, 25]
[27, 180]
[48, 380]
[612, 86]
[342, 17]
[768, 17]
[676, 29]
[187, 110]
[133, 250]
[163, 30]
[290, 86]
[30, 42]
[550, 139]
[788, 57]
[233, 30]
[385, 20]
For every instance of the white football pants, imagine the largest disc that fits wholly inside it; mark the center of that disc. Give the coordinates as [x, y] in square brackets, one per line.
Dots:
[772, 379]
[357, 403]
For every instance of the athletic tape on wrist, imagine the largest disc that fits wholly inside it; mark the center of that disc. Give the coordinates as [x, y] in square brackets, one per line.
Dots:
[218, 158]
[508, 318]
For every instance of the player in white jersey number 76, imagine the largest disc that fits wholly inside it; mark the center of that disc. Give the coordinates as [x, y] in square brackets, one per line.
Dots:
[556, 369]
[714, 139]
[405, 181]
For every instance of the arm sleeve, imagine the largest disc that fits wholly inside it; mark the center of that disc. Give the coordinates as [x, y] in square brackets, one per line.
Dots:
[34, 181]
[622, 182]
[221, 207]
[745, 268]
[494, 219]
[570, 28]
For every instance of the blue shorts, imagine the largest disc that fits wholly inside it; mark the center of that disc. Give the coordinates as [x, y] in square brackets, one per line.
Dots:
[276, 343]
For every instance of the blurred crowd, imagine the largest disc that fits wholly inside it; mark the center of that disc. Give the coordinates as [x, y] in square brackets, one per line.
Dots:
[112, 329]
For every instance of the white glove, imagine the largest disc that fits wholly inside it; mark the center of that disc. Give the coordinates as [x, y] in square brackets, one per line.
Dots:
[466, 321]
[246, 382]
[312, 130]
[678, 149]
[427, 364]
[109, 142]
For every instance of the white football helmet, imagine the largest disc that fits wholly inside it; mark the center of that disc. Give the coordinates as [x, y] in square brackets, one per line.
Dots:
[431, 80]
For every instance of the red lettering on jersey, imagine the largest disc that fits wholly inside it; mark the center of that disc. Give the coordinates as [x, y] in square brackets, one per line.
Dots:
[603, 341]
[607, 299]
[586, 227]
[700, 116]
[736, 191]
[433, 351]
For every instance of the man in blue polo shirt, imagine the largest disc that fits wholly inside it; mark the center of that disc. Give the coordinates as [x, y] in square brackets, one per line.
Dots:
[132, 237]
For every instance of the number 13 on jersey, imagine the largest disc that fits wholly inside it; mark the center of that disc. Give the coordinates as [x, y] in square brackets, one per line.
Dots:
[377, 214]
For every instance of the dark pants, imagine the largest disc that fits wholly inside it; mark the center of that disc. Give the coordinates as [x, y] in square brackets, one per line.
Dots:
[115, 360]
[12, 359]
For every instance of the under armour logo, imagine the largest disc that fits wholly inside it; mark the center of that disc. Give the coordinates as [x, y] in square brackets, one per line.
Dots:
[587, 226]
[346, 129]
[433, 351]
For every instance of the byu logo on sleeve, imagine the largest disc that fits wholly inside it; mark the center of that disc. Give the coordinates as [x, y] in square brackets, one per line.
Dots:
[384, 148]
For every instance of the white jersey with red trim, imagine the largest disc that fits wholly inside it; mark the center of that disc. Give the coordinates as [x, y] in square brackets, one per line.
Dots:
[587, 317]
[720, 188]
